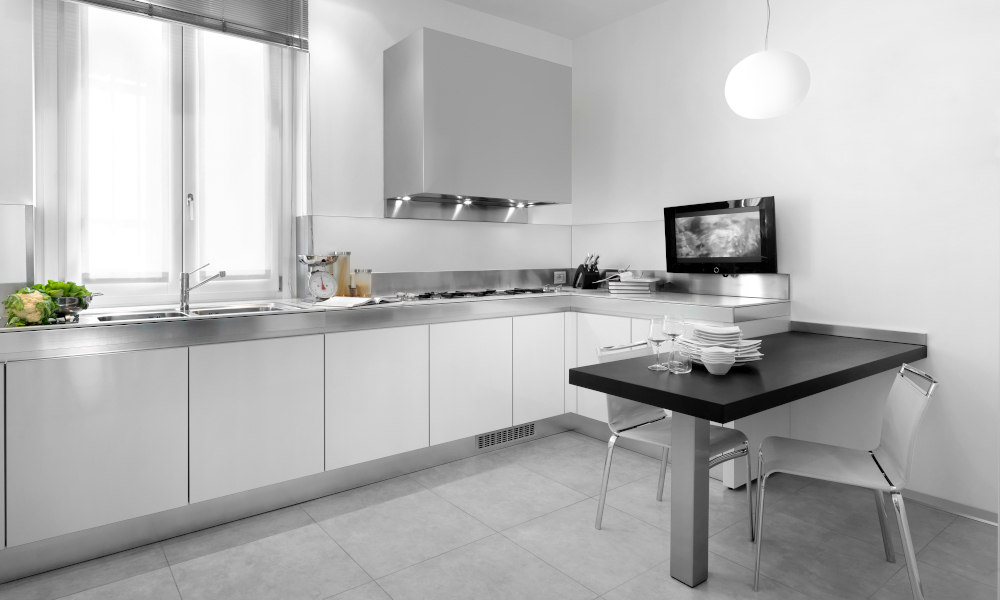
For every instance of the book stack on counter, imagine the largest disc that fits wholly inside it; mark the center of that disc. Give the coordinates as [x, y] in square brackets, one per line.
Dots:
[632, 286]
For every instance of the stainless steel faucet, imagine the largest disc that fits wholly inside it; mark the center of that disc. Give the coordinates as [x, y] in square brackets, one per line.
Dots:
[186, 286]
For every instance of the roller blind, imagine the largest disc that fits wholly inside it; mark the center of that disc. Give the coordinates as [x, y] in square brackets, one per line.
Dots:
[283, 22]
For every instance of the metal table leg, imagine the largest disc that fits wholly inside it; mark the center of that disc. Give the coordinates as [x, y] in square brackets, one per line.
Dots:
[689, 500]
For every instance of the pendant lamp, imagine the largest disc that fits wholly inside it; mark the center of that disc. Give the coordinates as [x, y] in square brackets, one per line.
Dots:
[767, 84]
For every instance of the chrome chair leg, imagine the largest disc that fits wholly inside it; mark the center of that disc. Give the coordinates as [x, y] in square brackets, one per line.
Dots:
[604, 483]
[883, 521]
[911, 558]
[663, 473]
[750, 493]
[761, 480]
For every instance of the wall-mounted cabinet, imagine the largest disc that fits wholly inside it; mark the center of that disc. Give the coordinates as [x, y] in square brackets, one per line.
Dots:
[470, 119]
[94, 440]
[377, 394]
[256, 414]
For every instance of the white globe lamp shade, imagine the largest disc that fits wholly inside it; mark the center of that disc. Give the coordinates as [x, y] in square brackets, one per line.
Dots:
[767, 84]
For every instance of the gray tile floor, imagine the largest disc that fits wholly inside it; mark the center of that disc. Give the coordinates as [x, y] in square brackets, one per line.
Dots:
[518, 523]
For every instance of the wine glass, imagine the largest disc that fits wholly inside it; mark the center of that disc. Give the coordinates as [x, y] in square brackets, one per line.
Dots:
[673, 327]
[657, 336]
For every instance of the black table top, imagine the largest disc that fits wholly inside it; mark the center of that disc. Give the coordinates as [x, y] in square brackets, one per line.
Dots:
[795, 365]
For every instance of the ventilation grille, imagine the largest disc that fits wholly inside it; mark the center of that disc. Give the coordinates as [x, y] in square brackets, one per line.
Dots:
[505, 435]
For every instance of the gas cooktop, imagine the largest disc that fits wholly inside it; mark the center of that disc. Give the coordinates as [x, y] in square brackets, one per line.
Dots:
[477, 293]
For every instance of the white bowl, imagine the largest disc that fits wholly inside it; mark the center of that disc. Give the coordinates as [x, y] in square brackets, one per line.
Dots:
[718, 368]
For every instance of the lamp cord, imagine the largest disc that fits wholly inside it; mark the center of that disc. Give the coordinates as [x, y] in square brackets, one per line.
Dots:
[768, 29]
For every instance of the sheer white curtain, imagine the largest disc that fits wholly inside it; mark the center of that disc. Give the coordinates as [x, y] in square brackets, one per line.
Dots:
[161, 148]
[108, 163]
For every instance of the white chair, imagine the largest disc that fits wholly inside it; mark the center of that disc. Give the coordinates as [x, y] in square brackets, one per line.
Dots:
[884, 469]
[638, 421]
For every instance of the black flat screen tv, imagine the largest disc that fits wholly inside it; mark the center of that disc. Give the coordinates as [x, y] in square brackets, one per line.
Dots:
[730, 237]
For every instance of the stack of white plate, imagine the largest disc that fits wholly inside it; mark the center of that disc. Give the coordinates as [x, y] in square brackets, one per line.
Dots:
[718, 360]
[705, 337]
[717, 335]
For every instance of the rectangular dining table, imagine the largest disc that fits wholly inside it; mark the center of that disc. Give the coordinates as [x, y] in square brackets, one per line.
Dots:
[795, 365]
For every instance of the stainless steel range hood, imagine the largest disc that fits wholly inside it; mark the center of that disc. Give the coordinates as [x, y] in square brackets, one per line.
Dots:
[473, 126]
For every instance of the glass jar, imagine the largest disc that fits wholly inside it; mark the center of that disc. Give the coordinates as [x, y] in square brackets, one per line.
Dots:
[363, 281]
[341, 271]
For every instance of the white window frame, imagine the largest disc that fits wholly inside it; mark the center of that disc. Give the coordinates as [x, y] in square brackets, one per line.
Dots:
[58, 224]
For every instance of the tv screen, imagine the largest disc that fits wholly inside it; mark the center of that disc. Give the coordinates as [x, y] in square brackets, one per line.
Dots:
[735, 236]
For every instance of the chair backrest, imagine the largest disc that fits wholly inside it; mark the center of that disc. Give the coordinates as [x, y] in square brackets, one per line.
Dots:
[623, 413]
[911, 391]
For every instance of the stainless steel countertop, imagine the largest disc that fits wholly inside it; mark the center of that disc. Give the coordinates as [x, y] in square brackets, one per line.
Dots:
[92, 337]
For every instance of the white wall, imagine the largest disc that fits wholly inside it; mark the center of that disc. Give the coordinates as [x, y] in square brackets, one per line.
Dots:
[347, 38]
[16, 103]
[398, 245]
[886, 179]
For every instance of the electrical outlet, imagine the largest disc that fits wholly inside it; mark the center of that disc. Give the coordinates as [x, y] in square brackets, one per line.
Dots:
[560, 277]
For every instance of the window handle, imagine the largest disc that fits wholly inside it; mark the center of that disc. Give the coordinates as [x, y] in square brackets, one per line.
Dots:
[190, 206]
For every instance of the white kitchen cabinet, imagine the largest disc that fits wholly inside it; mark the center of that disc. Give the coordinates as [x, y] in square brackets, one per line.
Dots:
[256, 414]
[569, 321]
[377, 394]
[94, 440]
[3, 477]
[539, 372]
[640, 329]
[593, 331]
[471, 378]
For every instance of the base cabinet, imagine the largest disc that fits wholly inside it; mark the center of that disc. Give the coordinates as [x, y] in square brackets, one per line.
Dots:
[377, 394]
[256, 414]
[470, 378]
[93, 440]
[594, 331]
[539, 371]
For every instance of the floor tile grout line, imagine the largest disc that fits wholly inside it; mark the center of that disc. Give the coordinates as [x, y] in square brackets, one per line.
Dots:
[172, 576]
[384, 591]
[51, 571]
[545, 515]
[879, 545]
[433, 557]
[344, 550]
[763, 574]
[298, 506]
[578, 491]
[570, 577]
[494, 532]
[633, 578]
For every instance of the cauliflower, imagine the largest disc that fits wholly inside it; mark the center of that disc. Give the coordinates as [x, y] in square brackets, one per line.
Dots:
[28, 307]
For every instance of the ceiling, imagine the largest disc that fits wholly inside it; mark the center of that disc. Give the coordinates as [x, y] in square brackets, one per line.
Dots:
[566, 18]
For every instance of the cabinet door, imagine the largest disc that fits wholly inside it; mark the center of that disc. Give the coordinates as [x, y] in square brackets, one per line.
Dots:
[94, 440]
[471, 378]
[377, 396]
[3, 445]
[256, 414]
[594, 331]
[539, 357]
[569, 323]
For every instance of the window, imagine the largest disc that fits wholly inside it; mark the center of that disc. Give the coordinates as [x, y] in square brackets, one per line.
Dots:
[125, 166]
[161, 148]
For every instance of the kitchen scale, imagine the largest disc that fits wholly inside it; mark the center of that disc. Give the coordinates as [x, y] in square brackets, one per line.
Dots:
[322, 282]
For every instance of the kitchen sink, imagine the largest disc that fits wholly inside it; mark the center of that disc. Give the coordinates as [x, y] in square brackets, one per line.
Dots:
[165, 314]
[241, 309]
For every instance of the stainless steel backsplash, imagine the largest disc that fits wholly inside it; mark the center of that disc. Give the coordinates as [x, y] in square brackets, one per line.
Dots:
[387, 284]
